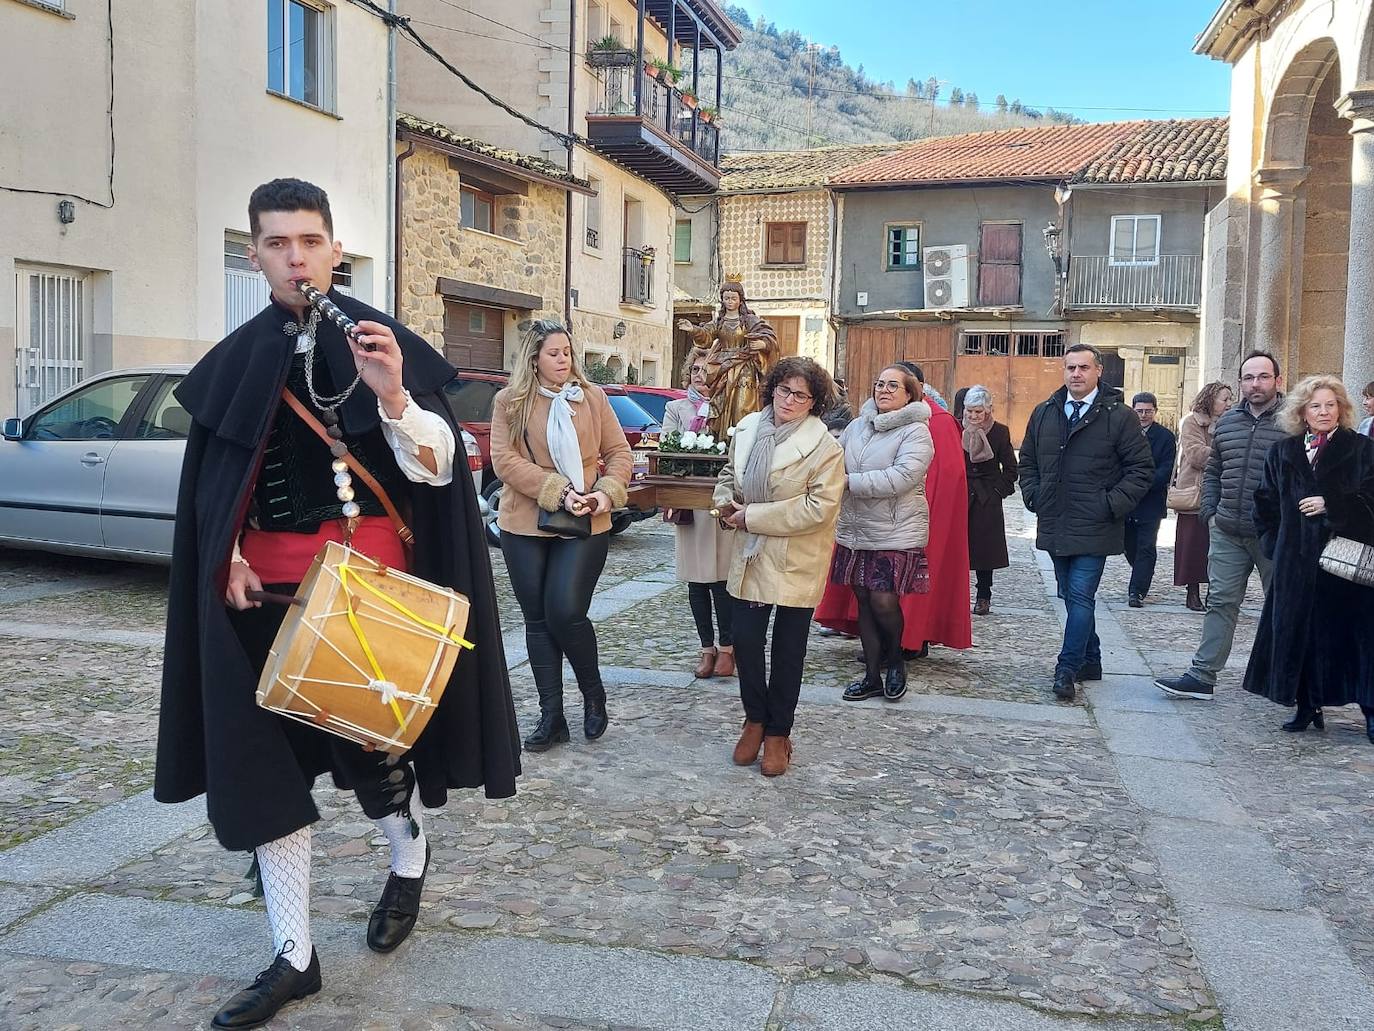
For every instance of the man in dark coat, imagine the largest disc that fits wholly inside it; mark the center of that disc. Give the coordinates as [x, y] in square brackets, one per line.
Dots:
[259, 496]
[1240, 442]
[1142, 525]
[1313, 646]
[1084, 465]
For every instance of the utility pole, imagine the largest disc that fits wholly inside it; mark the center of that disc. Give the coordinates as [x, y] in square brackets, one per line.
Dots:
[810, 86]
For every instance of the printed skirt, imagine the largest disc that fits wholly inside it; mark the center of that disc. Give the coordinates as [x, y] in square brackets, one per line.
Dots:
[892, 572]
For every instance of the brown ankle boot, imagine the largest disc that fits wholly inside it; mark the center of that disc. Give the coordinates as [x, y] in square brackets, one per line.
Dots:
[750, 741]
[777, 753]
[707, 666]
[725, 663]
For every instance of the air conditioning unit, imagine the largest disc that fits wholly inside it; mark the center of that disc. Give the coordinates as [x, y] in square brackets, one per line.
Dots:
[946, 275]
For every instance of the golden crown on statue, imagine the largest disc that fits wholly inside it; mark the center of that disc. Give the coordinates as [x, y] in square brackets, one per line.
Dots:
[734, 277]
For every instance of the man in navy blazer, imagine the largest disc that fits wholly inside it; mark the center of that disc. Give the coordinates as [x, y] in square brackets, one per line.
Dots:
[1142, 525]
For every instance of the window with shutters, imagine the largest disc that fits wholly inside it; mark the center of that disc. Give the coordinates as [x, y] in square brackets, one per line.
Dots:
[1135, 239]
[682, 242]
[999, 265]
[785, 243]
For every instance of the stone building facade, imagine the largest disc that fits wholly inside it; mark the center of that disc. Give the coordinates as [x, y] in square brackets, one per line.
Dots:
[475, 270]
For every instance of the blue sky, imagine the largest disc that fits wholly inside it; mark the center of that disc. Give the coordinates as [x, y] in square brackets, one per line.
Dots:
[1102, 61]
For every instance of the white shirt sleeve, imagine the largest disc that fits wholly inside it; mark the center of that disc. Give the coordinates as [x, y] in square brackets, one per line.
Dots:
[416, 429]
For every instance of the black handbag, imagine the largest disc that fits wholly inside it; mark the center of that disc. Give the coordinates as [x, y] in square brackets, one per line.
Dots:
[563, 523]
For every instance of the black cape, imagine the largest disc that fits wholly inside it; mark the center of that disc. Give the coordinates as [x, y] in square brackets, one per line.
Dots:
[1315, 631]
[255, 767]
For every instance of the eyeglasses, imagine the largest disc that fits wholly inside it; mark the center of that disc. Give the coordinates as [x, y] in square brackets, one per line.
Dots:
[785, 393]
[888, 386]
[698, 368]
[1263, 377]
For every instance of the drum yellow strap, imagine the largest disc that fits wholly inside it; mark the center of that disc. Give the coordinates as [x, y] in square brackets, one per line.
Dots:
[344, 573]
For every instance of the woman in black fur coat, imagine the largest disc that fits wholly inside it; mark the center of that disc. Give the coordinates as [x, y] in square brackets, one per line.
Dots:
[1314, 646]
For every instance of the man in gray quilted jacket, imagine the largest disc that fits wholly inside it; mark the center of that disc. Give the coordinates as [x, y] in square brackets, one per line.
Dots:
[1242, 439]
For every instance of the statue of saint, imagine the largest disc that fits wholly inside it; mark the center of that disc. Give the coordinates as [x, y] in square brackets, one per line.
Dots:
[741, 349]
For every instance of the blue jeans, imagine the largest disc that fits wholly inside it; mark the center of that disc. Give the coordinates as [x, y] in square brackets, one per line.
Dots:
[1078, 577]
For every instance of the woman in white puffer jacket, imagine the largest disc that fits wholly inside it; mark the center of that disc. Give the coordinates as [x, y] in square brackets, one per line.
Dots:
[884, 523]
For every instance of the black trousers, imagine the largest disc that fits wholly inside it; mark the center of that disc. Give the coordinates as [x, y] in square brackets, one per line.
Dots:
[382, 782]
[554, 579]
[770, 692]
[984, 582]
[700, 597]
[1142, 553]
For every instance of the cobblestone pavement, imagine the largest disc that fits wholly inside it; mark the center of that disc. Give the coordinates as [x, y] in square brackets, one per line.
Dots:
[979, 855]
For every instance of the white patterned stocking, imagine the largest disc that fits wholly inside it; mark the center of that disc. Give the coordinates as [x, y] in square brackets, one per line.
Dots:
[285, 868]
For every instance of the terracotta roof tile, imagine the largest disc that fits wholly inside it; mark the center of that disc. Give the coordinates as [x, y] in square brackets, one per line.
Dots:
[1048, 152]
[444, 134]
[782, 170]
[1174, 151]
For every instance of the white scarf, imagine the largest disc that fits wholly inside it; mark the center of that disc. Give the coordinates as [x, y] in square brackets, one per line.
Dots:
[564, 446]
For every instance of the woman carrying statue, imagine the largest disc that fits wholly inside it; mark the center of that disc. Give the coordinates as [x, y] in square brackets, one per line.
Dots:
[741, 350]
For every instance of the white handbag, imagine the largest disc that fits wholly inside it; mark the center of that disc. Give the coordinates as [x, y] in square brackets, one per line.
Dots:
[1350, 560]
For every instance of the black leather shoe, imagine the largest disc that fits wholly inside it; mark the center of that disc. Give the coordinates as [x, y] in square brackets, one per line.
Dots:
[1063, 685]
[552, 730]
[594, 718]
[861, 689]
[1089, 671]
[895, 686]
[394, 916]
[270, 991]
[913, 653]
[1303, 719]
[1135, 601]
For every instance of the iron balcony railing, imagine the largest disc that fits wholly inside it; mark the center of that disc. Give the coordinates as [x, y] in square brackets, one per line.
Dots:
[1174, 281]
[663, 107]
[637, 283]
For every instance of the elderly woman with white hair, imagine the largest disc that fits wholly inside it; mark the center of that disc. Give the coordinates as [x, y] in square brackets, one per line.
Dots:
[990, 462]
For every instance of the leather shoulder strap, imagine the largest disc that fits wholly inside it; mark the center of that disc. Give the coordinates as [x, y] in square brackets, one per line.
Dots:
[354, 466]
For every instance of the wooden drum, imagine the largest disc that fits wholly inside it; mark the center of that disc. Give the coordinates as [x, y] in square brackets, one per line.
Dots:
[366, 652]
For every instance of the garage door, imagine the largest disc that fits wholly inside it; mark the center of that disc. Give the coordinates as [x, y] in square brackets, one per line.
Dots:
[474, 337]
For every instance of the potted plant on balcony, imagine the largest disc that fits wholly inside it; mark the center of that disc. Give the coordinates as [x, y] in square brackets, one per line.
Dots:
[609, 52]
[709, 115]
[689, 100]
[646, 254]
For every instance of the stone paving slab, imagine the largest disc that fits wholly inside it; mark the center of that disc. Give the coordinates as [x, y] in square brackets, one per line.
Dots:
[824, 1006]
[1228, 865]
[1150, 735]
[1124, 693]
[16, 902]
[100, 843]
[1185, 791]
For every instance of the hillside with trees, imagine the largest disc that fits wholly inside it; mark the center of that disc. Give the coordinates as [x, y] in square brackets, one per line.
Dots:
[779, 93]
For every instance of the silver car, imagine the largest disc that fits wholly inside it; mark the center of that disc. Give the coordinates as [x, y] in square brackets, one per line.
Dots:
[95, 470]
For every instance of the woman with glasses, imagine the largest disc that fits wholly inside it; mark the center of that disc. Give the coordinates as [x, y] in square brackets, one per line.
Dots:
[780, 492]
[550, 429]
[701, 546]
[990, 464]
[880, 550]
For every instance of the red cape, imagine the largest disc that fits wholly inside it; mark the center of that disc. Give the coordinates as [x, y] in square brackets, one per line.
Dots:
[943, 615]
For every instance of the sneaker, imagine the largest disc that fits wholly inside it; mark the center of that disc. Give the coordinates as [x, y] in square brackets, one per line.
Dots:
[1136, 601]
[1186, 686]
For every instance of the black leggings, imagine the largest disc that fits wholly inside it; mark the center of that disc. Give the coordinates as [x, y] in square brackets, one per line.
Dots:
[700, 597]
[554, 579]
[769, 690]
[880, 629]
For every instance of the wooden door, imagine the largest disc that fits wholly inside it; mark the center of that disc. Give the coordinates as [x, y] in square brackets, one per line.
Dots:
[999, 265]
[870, 349]
[788, 328]
[474, 337]
[1164, 378]
[1018, 384]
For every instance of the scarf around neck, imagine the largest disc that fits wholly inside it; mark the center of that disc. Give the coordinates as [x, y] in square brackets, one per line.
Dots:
[754, 482]
[564, 446]
[702, 404]
[976, 442]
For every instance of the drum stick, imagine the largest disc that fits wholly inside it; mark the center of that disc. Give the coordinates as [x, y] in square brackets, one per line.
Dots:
[273, 599]
[333, 313]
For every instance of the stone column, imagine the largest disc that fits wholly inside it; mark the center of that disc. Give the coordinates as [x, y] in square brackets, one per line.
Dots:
[1277, 284]
[1358, 106]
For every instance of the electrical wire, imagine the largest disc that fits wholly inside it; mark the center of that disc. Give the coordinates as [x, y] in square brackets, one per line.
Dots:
[109, 15]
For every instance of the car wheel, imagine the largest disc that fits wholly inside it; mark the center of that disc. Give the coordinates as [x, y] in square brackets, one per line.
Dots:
[620, 522]
[492, 493]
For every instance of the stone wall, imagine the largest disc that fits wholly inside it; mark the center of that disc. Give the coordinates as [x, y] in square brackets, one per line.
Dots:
[595, 333]
[526, 256]
[742, 222]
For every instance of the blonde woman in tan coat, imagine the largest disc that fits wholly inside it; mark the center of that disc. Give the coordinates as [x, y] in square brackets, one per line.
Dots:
[780, 492]
[701, 546]
[551, 431]
[1194, 448]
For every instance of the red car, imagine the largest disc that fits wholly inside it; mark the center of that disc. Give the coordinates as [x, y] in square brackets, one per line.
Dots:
[654, 399]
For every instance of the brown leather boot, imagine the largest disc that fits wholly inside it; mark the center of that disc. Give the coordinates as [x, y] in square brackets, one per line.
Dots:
[750, 741]
[725, 663]
[707, 666]
[777, 753]
[1194, 600]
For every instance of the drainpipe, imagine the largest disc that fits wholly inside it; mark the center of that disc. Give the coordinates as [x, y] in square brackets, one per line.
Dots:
[393, 214]
[396, 277]
[568, 195]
